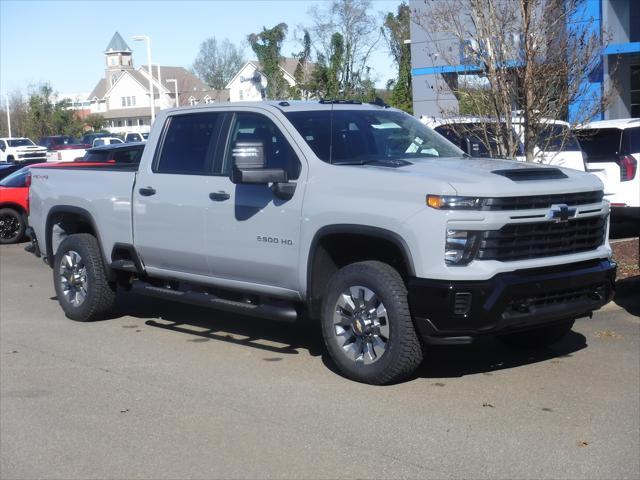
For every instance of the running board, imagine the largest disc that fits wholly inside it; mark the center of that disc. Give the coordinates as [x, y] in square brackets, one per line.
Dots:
[282, 312]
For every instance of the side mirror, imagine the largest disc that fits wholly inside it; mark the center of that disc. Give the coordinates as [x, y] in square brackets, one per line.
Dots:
[249, 163]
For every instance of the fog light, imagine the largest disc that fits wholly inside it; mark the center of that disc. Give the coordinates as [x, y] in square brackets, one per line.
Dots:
[461, 246]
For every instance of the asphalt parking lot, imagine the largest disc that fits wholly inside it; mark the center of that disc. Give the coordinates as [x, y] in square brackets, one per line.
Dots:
[169, 391]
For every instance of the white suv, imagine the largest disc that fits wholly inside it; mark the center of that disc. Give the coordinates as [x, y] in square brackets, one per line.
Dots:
[613, 152]
[556, 146]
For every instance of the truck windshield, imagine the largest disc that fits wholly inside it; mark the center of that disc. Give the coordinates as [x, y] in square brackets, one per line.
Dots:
[20, 142]
[366, 136]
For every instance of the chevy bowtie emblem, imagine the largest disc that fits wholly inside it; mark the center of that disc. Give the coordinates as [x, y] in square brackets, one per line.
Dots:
[560, 213]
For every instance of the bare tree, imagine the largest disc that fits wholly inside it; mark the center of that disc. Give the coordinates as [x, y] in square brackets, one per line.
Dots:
[535, 56]
[360, 32]
[217, 63]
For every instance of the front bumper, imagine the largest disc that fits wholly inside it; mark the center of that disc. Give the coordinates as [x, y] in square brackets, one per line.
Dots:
[458, 311]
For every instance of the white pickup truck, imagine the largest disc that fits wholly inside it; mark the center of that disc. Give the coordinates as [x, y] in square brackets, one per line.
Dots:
[356, 216]
[21, 150]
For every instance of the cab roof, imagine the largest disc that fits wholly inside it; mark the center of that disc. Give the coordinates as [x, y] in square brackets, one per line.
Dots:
[295, 105]
[621, 124]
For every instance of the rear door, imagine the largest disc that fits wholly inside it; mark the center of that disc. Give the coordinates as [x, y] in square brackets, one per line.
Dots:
[171, 196]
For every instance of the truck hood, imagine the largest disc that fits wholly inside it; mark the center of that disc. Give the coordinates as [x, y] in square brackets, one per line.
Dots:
[476, 177]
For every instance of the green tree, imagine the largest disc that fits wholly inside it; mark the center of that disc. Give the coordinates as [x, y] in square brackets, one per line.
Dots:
[267, 45]
[325, 79]
[45, 116]
[217, 63]
[95, 121]
[301, 74]
[396, 30]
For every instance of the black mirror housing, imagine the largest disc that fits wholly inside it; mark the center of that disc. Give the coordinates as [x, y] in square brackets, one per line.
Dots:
[260, 176]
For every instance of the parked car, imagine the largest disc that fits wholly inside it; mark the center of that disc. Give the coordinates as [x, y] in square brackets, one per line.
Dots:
[7, 169]
[63, 148]
[121, 153]
[556, 145]
[613, 152]
[21, 150]
[88, 138]
[135, 137]
[106, 141]
[373, 224]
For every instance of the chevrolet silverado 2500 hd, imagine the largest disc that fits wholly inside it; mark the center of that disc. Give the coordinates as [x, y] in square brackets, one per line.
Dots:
[356, 215]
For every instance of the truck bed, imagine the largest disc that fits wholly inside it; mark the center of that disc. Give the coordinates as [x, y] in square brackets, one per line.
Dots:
[104, 192]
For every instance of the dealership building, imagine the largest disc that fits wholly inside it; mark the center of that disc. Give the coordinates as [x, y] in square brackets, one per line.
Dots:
[618, 24]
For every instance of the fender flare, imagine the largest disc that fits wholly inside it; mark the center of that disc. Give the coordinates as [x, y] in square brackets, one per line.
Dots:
[364, 230]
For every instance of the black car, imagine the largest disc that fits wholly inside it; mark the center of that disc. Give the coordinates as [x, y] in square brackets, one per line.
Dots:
[129, 153]
[88, 138]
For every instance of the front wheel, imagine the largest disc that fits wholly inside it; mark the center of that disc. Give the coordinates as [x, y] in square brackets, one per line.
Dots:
[366, 324]
[539, 337]
[80, 279]
[12, 226]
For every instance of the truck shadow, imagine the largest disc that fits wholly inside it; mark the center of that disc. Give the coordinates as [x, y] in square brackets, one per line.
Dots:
[485, 356]
[488, 355]
[207, 324]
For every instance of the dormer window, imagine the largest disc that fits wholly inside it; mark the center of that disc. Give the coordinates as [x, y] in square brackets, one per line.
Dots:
[192, 101]
[207, 99]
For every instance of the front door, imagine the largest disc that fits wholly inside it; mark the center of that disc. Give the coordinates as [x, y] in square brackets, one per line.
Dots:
[252, 235]
[171, 196]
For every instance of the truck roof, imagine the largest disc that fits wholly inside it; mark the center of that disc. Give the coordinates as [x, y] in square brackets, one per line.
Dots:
[621, 123]
[293, 105]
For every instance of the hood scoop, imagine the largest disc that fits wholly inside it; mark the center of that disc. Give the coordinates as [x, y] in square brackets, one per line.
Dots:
[526, 174]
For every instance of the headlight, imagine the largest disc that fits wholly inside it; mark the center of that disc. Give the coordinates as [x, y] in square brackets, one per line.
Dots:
[447, 202]
[461, 246]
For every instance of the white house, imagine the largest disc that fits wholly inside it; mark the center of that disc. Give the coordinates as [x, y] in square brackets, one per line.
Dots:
[250, 83]
[122, 96]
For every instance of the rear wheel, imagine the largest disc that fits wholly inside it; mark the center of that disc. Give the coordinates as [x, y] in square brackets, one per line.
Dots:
[539, 337]
[366, 324]
[12, 226]
[80, 279]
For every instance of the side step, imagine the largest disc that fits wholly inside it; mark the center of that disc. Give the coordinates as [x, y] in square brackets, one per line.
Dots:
[283, 312]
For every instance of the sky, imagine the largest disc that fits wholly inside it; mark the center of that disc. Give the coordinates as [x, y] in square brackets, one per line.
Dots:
[62, 42]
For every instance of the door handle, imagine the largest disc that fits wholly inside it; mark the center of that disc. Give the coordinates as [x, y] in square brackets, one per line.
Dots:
[147, 191]
[219, 196]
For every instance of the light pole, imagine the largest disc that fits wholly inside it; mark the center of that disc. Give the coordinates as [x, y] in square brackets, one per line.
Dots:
[147, 40]
[175, 82]
[6, 99]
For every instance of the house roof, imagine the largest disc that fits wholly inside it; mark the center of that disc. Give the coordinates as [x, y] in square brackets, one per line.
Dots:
[117, 44]
[288, 65]
[99, 90]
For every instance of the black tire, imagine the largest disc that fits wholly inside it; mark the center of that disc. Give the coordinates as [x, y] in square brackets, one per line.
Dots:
[539, 337]
[100, 294]
[12, 226]
[402, 352]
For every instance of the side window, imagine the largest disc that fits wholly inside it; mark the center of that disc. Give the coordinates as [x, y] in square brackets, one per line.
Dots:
[128, 156]
[3, 146]
[189, 144]
[252, 127]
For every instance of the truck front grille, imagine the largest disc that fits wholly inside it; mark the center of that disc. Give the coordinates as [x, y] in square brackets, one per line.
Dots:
[542, 239]
[542, 201]
[33, 155]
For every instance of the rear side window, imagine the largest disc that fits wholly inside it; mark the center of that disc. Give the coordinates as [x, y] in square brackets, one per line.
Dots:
[631, 140]
[96, 157]
[128, 156]
[189, 144]
[600, 144]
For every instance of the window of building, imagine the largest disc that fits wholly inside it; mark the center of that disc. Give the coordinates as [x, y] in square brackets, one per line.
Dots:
[129, 122]
[635, 91]
[241, 95]
[192, 101]
[189, 144]
[207, 99]
[119, 123]
[140, 121]
[257, 129]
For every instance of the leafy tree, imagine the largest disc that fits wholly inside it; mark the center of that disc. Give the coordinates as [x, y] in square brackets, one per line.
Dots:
[267, 45]
[45, 116]
[217, 63]
[396, 31]
[301, 74]
[95, 121]
[358, 32]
